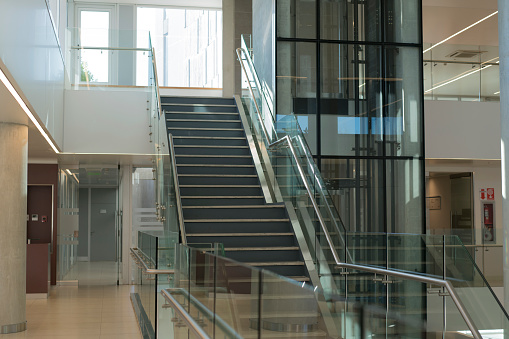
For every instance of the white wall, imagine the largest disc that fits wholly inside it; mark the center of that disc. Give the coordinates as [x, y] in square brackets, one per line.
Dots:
[106, 122]
[30, 51]
[462, 130]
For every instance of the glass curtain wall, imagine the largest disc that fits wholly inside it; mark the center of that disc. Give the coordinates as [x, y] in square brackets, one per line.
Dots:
[351, 71]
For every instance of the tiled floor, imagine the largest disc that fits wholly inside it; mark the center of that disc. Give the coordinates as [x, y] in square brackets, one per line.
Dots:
[98, 308]
[94, 273]
[102, 312]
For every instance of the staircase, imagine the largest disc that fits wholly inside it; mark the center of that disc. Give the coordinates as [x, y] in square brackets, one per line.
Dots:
[221, 195]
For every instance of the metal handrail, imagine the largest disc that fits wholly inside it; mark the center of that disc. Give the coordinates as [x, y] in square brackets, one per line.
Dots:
[301, 170]
[424, 279]
[113, 48]
[143, 265]
[239, 52]
[440, 282]
[177, 190]
[186, 317]
[225, 328]
[156, 79]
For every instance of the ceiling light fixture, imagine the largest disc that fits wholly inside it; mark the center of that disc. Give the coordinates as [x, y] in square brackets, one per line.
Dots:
[25, 108]
[463, 30]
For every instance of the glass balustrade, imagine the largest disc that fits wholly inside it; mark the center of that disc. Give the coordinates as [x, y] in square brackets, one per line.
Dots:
[461, 72]
[296, 180]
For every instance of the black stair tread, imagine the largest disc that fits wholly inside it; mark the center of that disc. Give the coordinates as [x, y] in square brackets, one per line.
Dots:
[196, 105]
[222, 196]
[210, 113]
[209, 146]
[270, 263]
[236, 220]
[205, 186]
[211, 156]
[206, 137]
[238, 234]
[213, 165]
[237, 206]
[205, 129]
[272, 248]
[202, 120]
[220, 175]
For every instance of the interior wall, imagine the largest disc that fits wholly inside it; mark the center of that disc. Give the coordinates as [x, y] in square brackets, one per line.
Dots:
[106, 122]
[462, 130]
[47, 174]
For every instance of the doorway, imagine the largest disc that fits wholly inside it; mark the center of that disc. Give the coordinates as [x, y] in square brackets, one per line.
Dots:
[449, 205]
[99, 228]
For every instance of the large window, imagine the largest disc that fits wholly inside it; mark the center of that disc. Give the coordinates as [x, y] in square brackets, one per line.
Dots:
[94, 32]
[188, 45]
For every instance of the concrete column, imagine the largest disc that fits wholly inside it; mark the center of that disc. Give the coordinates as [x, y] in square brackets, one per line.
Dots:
[503, 40]
[229, 56]
[13, 207]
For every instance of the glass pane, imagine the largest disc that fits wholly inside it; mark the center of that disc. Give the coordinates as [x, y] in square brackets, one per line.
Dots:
[350, 106]
[94, 32]
[404, 199]
[296, 18]
[296, 85]
[350, 20]
[402, 122]
[188, 45]
[402, 21]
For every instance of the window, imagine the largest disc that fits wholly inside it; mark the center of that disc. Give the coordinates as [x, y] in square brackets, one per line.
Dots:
[188, 45]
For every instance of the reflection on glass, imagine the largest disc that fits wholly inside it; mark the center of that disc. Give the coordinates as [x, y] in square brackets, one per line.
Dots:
[296, 18]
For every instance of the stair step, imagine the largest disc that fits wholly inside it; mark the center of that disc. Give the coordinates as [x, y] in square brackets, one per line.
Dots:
[209, 140]
[235, 220]
[206, 128]
[238, 206]
[197, 100]
[234, 227]
[234, 212]
[196, 105]
[223, 200]
[208, 169]
[200, 124]
[280, 248]
[206, 132]
[213, 159]
[238, 234]
[270, 263]
[203, 113]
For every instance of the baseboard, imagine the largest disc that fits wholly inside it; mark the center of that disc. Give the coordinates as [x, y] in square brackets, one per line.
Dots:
[32, 296]
[67, 282]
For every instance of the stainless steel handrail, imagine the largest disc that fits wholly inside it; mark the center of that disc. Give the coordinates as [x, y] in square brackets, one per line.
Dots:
[446, 284]
[287, 139]
[113, 48]
[159, 108]
[225, 328]
[177, 190]
[424, 279]
[143, 265]
[186, 317]
[262, 122]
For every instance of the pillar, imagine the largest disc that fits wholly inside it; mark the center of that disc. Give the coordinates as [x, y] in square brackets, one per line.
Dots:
[13, 207]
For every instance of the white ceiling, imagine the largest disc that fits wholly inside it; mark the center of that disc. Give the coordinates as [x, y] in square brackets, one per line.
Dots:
[443, 18]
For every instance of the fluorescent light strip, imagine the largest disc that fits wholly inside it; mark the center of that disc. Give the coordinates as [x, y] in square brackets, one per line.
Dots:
[496, 93]
[463, 30]
[453, 80]
[25, 108]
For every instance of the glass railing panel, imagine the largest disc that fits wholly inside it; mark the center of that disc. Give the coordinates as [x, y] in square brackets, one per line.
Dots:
[416, 253]
[237, 295]
[461, 73]
[367, 249]
[290, 306]
[455, 323]
[477, 296]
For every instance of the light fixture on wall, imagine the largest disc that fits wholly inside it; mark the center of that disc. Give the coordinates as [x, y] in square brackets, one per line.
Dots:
[25, 108]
